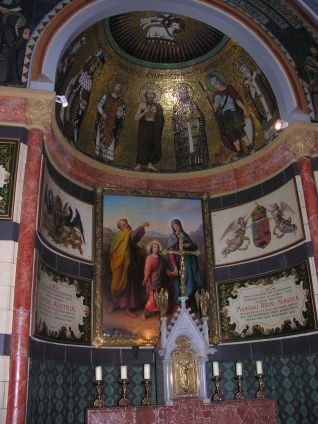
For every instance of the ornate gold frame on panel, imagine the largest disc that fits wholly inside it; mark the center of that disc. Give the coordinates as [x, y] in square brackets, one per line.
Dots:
[9, 164]
[228, 288]
[260, 199]
[98, 339]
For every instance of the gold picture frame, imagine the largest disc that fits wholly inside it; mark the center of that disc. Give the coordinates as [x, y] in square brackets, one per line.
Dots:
[99, 337]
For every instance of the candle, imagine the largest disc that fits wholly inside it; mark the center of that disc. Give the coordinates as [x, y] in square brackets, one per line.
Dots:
[98, 373]
[146, 371]
[216, 368]
[259, 367]
[239, 368]
[123, 372]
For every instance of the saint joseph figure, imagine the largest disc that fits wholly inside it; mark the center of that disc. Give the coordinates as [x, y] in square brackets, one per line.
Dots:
[188, 124]
[123, 260]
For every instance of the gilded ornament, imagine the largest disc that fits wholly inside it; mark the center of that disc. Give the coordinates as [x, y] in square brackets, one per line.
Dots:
[301, 143]
[39, 112]
[202, 300]
[162, 300]
[185, 378]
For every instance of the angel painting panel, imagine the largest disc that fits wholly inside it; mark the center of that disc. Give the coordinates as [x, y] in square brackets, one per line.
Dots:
[258, 228]
[65, 222]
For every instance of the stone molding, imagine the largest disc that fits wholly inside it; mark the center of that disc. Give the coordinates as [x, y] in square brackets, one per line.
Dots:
[39, 113]
[301, 142]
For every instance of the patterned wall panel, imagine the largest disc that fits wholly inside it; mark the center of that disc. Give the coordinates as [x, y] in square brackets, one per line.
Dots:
[59, 392]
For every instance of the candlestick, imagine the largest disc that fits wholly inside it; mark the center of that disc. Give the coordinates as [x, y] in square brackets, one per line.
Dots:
[123, 401]
[147, 371]
[239, 395]
[123, 372]
[259, 367]
[217, 394]
[146, 400]
[260, 394]
[216, 369]
[98, 403]
[239, 368]
[98, 373]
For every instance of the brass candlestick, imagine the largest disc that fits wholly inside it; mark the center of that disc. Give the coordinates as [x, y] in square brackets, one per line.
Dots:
[217, 394]
[146, 400]
[239, 394]
[98, 403]
[260, 394]
[123, 401]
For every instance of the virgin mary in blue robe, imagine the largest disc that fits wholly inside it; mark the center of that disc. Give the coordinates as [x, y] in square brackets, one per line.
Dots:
[192, 272]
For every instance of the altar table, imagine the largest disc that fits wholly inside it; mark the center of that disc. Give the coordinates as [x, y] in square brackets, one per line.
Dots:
[189, 411]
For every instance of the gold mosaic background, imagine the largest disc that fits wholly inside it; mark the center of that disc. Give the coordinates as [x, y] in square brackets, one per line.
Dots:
[136, 76]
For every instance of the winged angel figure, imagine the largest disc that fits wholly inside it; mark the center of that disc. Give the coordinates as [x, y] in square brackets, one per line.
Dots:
[62, 223]
[237, 240]
[283, 225]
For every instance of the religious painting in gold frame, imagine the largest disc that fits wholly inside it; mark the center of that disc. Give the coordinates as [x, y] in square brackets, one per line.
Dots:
[132, 228]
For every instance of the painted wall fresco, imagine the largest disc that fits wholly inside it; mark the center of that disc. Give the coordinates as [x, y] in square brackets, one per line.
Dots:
[126, 113]
[63, 307]
[257, 228]
[9, 150]
[275, 304]
[65, 222]
[136, 228]
[18, 18]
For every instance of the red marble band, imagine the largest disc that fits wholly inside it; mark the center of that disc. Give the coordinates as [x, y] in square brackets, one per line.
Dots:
[311, 201]
[17, 392]
[190, 411]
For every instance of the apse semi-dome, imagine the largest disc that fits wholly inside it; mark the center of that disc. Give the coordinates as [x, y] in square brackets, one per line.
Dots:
[157, 92]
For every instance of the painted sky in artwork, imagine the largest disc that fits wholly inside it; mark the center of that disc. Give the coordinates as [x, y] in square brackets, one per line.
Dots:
[158, 211]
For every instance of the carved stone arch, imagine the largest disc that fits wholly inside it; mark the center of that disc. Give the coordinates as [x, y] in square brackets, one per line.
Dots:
[77, 16]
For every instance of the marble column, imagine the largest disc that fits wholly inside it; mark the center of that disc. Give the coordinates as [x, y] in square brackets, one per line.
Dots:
[19, 351]
[38, 114]
[301, 144]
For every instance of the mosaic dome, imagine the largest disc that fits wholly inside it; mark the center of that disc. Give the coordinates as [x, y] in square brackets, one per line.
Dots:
[161, 93]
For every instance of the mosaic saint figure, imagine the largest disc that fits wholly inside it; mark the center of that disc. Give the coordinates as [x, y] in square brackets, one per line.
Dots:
[123, 251]
[155, 276]
[259, 90]
[188, 125]
[311, 68]
[230, 113]
[192, 272]
[67, 61]
[151, 122]
[111, 112]
[13, 39]
[78, 92]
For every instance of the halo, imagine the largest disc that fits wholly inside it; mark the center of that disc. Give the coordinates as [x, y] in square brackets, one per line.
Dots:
[211, 75]
[150, 243]
[183, 85]
[6, 15]
[123, 83]
[146, 87]
[239, 61]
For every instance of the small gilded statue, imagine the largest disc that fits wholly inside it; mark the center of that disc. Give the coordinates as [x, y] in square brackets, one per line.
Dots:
[184, 369]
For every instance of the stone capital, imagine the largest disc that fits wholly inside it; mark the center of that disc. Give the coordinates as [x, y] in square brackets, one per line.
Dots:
[301, 142]
[39, 112]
